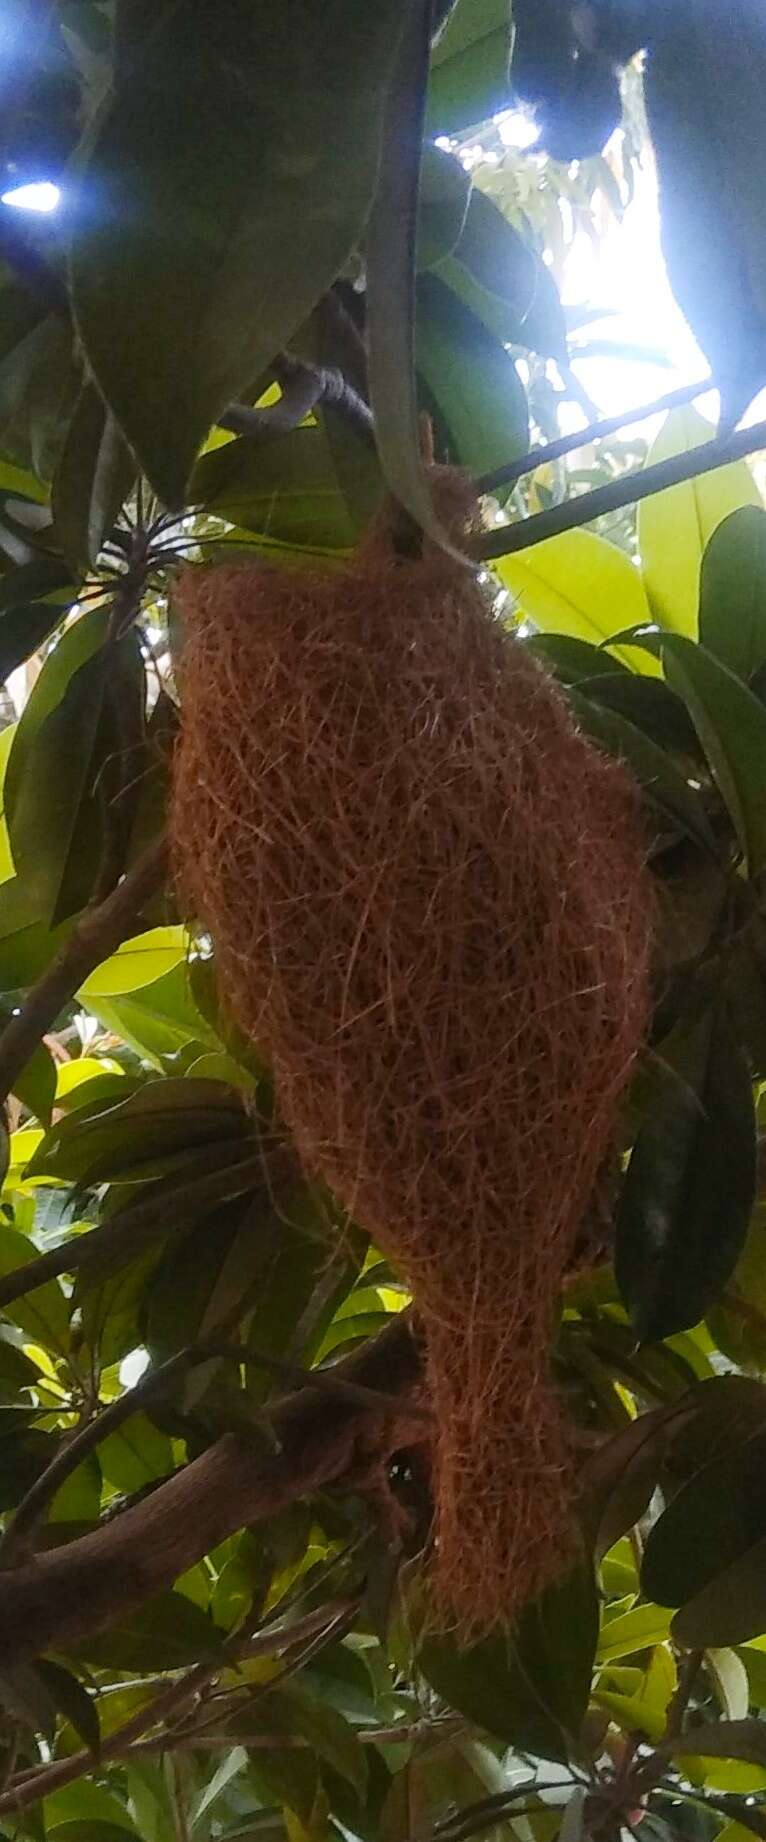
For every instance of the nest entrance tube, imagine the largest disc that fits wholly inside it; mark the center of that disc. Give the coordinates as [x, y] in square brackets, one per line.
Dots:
[429, 906]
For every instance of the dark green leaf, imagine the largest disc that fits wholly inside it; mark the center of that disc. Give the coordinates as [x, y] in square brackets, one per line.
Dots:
[23, 630]
[43, 1314]
[470, 380]
[648, 703]
[732, 620]
[469, 79]
[287, 490]
[534, 1690]
[504, 282]
[35, 1087]
[706, 1554]
[47, 779]
[659, 776]
[166, 1633]
[33, 582]
[445, 189]
[725, 1739]
[73, 1701]
[573, 660]
[161, 1118]
[92, 480]
[686, 1199]
[731, 725]
[185, 283]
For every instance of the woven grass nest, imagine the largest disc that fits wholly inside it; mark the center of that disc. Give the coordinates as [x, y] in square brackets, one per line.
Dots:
[430, 908]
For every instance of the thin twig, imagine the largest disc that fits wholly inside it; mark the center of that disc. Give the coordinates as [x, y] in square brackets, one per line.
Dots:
[597, 431]
[508, 540]
[41, 1782]
[98, 933]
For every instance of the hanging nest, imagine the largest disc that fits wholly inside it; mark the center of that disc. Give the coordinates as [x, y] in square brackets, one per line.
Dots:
[429, 905]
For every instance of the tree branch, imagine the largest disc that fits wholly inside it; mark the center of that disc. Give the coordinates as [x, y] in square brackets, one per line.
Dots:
[97, 934]
[508, 540]
[31, 1510]
[73, 1592]
[568, 444]
[41, 1781]
[304, 387]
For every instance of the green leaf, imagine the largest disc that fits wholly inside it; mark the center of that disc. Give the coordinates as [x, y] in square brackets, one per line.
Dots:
[35, 1087]
[504, 282]
[73, 1701]
[655, 771]
[646, 1711]
[158, 1020]
[731, 724]
[685, 1202]
[675, 526]
[126, 1140]
[470, 380]
[43, 1314]
[469, 77]
[726, 1739]
[582, 586]
[573, 661]
[706, 1552]
[730, 1680]
[633, 1631]
[445, 189]
[732, 617]
[136, 1455]
[142, 961]
[168, 1632]
[47, 779]
[291, 1710]
[184, 282]
[92, 480]
[288, 490]
[534, 1690]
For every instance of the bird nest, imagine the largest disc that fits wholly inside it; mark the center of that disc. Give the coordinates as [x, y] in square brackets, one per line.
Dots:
[428, 897]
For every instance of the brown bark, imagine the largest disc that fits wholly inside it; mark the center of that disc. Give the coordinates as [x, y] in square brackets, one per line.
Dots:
[72, 1592]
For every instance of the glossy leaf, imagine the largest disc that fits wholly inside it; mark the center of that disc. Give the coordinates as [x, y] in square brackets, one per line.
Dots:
[470, 382]
[731, 724]
[732, 619]
[675, 526]
[137, 963]
[706, 1552]
[582, 586]
[685, 1203]
[504, 282]
[184, 282]
[656, 772]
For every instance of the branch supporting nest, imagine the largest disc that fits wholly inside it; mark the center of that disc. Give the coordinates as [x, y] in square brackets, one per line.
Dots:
[70, 1593]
